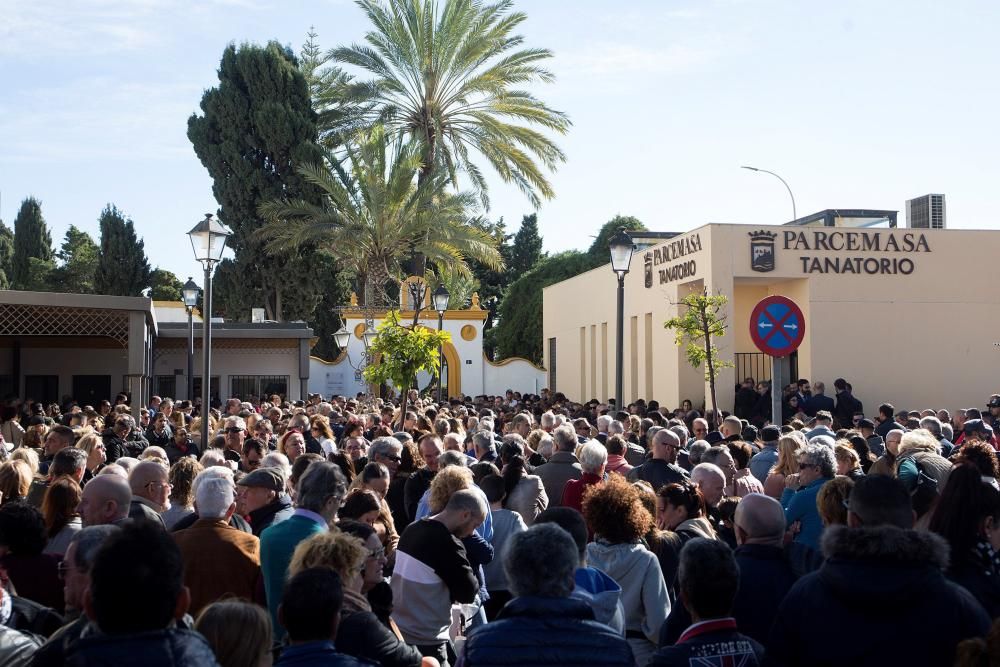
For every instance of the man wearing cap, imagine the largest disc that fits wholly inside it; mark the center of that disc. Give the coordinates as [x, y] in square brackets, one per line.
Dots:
[980, 430]
[875, 442]
[264, 499]
[993, 405]
[761, 463]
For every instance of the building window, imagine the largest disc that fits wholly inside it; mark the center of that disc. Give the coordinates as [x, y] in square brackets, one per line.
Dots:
[41, 388]
[552, 365]
[166, 386]
[213, 389]
[245, 386]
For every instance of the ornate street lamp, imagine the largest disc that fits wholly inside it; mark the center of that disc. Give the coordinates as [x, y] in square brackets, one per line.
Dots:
[621, 257]
[440, 298]
[208, 240]
[189, 294]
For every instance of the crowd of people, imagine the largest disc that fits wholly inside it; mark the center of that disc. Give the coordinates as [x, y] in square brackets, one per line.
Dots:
[496, 530]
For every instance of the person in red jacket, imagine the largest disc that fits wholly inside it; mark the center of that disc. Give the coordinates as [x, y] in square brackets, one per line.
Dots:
[593, 459]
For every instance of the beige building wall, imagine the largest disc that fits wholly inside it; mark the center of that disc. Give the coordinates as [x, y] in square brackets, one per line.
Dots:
[906, 316]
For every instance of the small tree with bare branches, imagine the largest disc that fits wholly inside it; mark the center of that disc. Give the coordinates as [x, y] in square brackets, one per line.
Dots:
[695, 328]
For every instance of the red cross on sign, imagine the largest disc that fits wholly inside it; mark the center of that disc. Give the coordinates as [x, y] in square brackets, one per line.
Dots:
[777, 326]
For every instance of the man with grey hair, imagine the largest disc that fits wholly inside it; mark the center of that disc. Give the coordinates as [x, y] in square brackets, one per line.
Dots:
[388, 451]
[593, 460]
[603, 428]
[824, 420]
[219, 560]
[542, 618]
[150, 492]
[696, 450]
[75, 571]
[933, 425]
[301, 422]
[485, 450]
[817, 466]
[432, 572]
[562, 466]
[709, 579]
[319, 493]
[662, 469]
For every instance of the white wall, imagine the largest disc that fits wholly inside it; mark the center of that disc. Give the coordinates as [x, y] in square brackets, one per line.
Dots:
[67, 362]
[227, 362]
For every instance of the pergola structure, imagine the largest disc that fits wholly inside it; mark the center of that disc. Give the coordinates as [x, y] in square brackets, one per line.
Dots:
[81, 345]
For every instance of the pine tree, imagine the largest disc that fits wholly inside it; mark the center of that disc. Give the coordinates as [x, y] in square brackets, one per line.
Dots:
[122, 267]
[79, 257]
[31, 240]
[6, 254]
[526, 251]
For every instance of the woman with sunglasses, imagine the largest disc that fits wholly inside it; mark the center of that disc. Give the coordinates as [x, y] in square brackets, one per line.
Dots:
[817, 465]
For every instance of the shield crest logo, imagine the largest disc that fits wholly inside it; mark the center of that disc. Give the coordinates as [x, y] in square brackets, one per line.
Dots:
[648, 268]
[762, 251]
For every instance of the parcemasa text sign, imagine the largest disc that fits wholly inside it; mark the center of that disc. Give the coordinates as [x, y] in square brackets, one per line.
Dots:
[856, 251]
[669, 253]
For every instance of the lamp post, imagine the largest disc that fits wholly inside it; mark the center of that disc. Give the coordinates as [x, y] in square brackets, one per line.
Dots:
[765, 171]
[208, 240]
[440, 298]
[190, 293]
[621, 257]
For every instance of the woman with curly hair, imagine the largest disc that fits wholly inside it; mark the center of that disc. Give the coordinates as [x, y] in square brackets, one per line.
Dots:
[181, 480]
[616, 516]
[359, 563]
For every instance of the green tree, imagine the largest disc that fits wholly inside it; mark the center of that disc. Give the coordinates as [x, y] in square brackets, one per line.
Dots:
[6, 255]
[166, 286]
[335, 286]
[453, 75]
[78, 256]
[600, 249]
[39, 277]
[695, 328]
[373, 215]
[31, 240]
[402, 352]
[122, 267]
[526, 250]
[519, 332]
[255, 127]
[339, 114]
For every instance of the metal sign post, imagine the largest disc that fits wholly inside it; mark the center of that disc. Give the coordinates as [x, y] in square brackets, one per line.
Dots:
[777, 327]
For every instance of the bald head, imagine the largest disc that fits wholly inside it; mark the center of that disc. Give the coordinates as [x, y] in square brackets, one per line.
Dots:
[105, 500]
[665, 445]
[760, 520]
[144, 473]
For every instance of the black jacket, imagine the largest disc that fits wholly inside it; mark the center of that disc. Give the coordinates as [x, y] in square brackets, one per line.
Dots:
[416, 484]
[888, 425]
[847, 406]
[746, 398]
[175, 453]
[361, 635]
[658, 473]
[711, 644]
[161, 440]
[818, 402]
[969, 573]
[116, 447]
[766, 575]
[888, 581]
[159, 648]
[29, 616]
[270, 514]
[546, 631]
[394, 497]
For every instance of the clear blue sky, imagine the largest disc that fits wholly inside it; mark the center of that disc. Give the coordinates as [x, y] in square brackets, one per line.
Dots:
[857, 104]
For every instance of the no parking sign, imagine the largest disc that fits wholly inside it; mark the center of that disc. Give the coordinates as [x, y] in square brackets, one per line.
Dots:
[777, 326]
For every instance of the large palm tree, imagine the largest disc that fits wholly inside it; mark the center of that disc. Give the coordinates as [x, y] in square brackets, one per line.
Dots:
[374, 215]
[448, 75]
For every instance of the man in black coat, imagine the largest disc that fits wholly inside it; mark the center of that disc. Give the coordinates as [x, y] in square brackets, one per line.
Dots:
[819, 401]
[662, 469]
[847, 405]
[886, 420]
[542, 619]
[767, 571]
[709, 578]
[885, 577]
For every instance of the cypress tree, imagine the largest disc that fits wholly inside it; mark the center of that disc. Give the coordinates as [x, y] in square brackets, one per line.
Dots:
[527, 248]
[122, 267]
[31, 240]
[79, 256]
[256, 126]
[6, 254]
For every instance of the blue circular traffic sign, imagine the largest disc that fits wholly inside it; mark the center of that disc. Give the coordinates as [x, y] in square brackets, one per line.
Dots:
[777, 326]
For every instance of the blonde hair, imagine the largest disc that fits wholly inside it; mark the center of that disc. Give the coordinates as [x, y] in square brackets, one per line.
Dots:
[88, 441]
[920, 440]
[342, 553]
[844, 452]
[831, 501]
[28, 456]
[15, 480]
[446, 483]
[788, 455]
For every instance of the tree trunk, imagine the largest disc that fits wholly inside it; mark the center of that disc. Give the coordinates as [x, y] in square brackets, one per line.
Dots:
[279, 315]
[710, 364]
